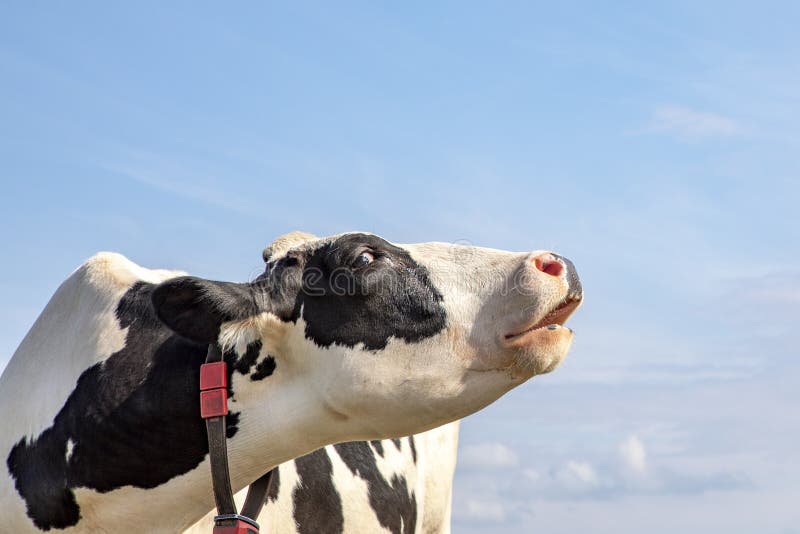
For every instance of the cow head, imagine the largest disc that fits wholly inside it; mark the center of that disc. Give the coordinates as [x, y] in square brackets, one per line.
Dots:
[384, 339]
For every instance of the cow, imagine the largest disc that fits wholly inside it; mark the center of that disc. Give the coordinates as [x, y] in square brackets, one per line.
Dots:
[344, 338]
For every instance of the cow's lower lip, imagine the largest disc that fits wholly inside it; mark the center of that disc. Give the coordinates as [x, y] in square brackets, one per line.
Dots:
[554, 320]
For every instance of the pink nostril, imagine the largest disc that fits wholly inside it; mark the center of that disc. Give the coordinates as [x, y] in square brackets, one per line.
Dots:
[549, 265]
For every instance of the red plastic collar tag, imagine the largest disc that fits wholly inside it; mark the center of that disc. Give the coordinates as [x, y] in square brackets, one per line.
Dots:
[213, 390]
[213, 375]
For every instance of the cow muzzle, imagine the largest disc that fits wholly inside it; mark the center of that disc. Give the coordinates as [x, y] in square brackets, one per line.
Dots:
[551, 291]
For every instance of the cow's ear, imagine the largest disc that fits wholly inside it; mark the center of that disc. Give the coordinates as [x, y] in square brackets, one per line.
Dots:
[195, 308]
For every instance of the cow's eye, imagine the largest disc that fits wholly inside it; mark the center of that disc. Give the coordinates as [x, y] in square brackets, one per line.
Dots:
[363, 259]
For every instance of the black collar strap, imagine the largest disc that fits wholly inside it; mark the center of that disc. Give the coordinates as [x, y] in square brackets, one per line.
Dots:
[214, 408]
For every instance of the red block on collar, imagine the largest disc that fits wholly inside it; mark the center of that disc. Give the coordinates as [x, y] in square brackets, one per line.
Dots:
[213, 403]
[213, 375]
[213, 390]
[238, 527]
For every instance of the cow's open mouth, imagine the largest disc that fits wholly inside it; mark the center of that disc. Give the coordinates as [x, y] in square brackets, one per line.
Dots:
[554, 319]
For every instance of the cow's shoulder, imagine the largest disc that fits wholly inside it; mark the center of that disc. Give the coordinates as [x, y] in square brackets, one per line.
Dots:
[88, 360]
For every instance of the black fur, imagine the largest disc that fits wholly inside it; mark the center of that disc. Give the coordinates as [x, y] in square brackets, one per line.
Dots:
[264, 369]
[245, 363]
[274, 486]
[345, 304]
[413, 448]
[195, 308]
[394, 506]
[317, 503]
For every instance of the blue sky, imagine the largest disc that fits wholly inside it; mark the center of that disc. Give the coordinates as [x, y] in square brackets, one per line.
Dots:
[656, 146]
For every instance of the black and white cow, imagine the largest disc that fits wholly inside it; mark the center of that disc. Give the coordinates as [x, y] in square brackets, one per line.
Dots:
[343, 338]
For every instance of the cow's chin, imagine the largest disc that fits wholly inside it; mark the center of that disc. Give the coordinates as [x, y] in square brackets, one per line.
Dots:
[539, 351]
[534, 352]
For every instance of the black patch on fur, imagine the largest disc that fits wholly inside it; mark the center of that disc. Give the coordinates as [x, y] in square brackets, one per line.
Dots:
[397, 443]
[347, 304]
[274, 486]
[413, 448]
[134, 420]
[317, 503]
[264, 368]
[378, 446]
[245, 363]
[395, 509]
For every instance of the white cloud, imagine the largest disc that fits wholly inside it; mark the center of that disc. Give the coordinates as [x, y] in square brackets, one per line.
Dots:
[623, 471]
[491, 455]
[191, 188]
[577, 476]
[633, 455]
[481, 509]
[692, 124]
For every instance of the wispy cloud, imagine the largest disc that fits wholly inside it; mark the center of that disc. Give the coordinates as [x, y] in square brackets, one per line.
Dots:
[633, 455]
[571, 479]
[688, 123]
[487, 456]
[178, 177]
[484, 509]
[633, 474]
[576, 477]
[190, 189]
